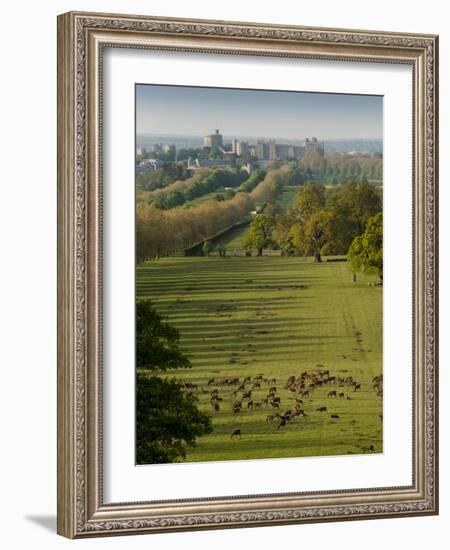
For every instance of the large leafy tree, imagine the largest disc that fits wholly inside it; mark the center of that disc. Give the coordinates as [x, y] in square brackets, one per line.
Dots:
[167, 420]
[157, 342]
[356, 203]
[316, 236]
[366, 251]
[313, 229]
[259, 235]
[310, 198]
[167, 417]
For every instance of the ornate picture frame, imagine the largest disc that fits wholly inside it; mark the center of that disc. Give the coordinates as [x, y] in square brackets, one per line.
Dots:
[82, 38]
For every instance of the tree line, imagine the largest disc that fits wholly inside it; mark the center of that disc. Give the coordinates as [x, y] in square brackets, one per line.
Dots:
[162, 177]
[321, 221]
[163, 232]
[341, 168]
[202, 183]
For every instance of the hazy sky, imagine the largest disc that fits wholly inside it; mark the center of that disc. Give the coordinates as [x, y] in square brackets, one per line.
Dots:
[190, 110]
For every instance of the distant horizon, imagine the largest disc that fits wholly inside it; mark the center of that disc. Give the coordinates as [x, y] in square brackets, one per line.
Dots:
[200, 136]
[198, 111]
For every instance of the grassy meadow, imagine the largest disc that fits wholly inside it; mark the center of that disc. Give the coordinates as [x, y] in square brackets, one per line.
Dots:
[274, 317]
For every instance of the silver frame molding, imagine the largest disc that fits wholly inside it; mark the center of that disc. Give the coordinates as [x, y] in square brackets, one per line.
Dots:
[81, 39]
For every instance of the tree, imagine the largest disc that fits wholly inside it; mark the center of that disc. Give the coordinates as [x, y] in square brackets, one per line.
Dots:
[252, 181]
[215, 153]
[282, 234]
[157, 342]
[366, 251]
[259, 235]
[207, 248]
[316, 235]
[357, 202]
[222, 250]
[309, 199]
[167, 418]
[295, 175]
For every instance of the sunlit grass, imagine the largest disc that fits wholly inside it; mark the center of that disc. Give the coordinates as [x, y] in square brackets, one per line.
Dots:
[275, 316]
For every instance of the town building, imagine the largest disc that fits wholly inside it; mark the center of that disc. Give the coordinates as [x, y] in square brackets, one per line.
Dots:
[169, 149]
[213, 140]
[313, 145]
[149, 164]
[270, 150]
[195, 164]
[242, 148]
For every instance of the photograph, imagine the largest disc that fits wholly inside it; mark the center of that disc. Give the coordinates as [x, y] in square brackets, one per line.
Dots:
[259, 274]
[247, 273]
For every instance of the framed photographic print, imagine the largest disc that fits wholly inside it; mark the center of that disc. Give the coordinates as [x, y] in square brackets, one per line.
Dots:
[247, 278]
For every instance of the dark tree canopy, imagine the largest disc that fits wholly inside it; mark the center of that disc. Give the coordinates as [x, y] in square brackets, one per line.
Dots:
[167, 420]
[167, 417]
[356, 203]
[157, 342]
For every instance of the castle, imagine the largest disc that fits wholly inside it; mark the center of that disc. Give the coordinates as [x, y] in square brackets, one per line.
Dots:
[266, 150]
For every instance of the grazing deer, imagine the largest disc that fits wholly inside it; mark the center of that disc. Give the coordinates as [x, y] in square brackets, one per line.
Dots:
[331, 393]
[236, 433]
[282, 422]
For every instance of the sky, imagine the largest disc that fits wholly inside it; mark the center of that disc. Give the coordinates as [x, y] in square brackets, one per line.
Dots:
[186, 110]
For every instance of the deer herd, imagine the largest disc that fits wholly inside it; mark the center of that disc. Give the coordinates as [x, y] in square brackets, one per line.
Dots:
[259, 392]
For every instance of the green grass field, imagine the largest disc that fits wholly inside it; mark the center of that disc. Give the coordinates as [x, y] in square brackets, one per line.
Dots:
[288, 195]
[234, 239]
[204, 198]
[276, 317]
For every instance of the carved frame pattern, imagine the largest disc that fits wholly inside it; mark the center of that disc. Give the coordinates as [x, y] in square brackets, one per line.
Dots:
[81, 511]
